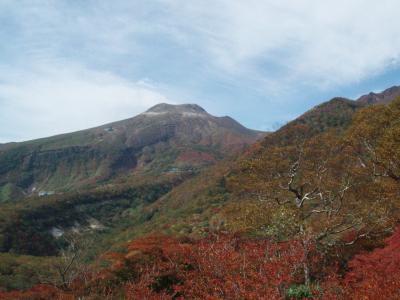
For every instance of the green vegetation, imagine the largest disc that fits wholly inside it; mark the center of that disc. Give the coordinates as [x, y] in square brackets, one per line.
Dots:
[325, 186]
[146, 145]
[21, 272]
[300, 291]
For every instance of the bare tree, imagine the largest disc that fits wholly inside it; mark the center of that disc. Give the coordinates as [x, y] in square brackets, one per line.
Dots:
[315, 183]
[70, 264]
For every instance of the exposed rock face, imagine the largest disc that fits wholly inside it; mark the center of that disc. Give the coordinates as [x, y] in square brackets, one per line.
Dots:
[152, 142]
[188, 109]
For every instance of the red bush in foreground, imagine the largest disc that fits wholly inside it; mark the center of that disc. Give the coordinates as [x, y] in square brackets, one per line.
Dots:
[227, 267]
[376, 275]
[220, 267]
[38, 292]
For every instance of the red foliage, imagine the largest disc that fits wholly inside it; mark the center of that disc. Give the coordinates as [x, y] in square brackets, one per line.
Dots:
[195, 157]
[376, 275]
[228, 267]
[38, 292]
[220, 267]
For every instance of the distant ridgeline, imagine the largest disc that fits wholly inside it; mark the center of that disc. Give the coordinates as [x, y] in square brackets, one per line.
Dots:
[166, 138]
[177, 170]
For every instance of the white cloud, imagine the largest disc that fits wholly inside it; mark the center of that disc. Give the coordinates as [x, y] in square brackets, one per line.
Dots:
[316, 43]
[275, 43]
[332, 41]
[48, 100]
[263, 50]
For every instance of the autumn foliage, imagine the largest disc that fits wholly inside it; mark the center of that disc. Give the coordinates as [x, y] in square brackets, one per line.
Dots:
[311, 207]
[228, 267]
[218, 267]
[376, 275]
[39, 292]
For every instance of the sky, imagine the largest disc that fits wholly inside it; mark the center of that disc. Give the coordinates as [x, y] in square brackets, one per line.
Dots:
[74, 64]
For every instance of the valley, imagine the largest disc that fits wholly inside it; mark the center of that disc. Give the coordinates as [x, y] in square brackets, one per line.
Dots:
[179, 176]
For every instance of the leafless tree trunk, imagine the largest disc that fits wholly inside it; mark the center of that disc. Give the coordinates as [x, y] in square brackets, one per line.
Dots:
[69, 265]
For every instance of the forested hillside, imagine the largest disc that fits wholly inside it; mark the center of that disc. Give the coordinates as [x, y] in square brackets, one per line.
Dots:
[309, 211]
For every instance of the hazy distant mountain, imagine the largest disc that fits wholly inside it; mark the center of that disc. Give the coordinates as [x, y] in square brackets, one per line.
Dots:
[165, 138]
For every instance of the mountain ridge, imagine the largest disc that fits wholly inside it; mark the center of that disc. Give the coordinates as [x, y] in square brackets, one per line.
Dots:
[338, 111]
[178, 108]
[383, 97]
[183, 137]
[185, 185]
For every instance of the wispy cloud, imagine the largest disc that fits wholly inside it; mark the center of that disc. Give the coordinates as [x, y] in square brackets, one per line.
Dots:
[85, 59]
[50, 100]
[317, 43]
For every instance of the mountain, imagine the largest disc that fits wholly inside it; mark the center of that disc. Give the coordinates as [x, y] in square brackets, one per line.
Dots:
[173, 169]
[208, 192]
[384, 97]
[165, 138]
[338, 112]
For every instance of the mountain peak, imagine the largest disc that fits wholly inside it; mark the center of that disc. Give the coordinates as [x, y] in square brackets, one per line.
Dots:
[163, 108]
[384, 97]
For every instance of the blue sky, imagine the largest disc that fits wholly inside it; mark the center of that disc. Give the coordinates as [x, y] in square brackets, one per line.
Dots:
[70, 65]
